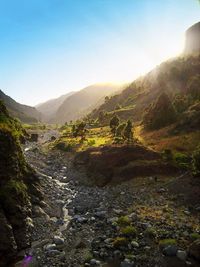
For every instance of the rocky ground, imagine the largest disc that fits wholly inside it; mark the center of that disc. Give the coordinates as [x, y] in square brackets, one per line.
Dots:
[137, 223]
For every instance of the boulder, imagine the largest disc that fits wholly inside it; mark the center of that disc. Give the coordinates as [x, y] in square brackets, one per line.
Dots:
[194, 250]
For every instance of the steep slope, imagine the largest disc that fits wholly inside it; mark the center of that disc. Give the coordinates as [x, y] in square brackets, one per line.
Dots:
[25, 113]
[192, 44]
[178, 78]
[17, 182]
[49, 108]
[77, 105]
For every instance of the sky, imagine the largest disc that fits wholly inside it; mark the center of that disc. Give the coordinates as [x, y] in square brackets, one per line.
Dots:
[51, 47]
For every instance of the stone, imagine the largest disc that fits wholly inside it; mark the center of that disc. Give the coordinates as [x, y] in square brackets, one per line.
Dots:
[50, 247]
[181, 254]
[94, 262]
[58, 240]
[53, 252]
[127, 263]
[100, 214]
[194, 249]
[134, 244]
[170, 250]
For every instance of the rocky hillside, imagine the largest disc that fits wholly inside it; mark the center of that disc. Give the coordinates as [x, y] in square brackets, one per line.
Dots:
[80, 103]
[177, 78]
[49, 108]
[18, 185]
[25, 113]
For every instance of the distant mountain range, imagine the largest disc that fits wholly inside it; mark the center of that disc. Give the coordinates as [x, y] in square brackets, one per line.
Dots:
[50, 107]
[25, 113]
[75, 105]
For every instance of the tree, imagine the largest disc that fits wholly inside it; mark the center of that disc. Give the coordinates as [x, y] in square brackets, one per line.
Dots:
[160, 114]
[128, 134]
[114, 122]
[106, 99]
[79, 130]
[101, 116]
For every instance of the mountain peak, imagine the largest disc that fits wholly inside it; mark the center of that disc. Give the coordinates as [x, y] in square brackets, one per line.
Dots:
[192, 42]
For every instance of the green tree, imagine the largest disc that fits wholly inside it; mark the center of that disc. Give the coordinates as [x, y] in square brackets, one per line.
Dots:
[128, 133]
[120, 129]
[101, 116]
[114, 122]
[79, 130]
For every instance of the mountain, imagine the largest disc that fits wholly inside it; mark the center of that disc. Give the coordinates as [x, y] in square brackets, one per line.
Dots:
[178, 79]
[192, 43]
[25, 113]
[19, 187]
[80, 103]
[49, 108]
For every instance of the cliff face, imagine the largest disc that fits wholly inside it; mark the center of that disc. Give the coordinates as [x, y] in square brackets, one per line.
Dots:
[16, 184]
[192, 42]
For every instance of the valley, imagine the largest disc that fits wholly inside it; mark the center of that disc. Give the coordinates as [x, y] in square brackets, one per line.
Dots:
[107, 175]
[81, 225]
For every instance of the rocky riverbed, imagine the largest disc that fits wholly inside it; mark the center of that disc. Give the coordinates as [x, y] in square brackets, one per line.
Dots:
[132, 224]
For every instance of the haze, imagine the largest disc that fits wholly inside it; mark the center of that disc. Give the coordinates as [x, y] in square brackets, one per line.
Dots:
[51, 47]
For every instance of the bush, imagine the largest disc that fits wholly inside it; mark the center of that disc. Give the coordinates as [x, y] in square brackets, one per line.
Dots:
[182, 160]
[150, 232]
[167, 154]
[123, 221]
[129, 231]
[120, 242]
[91, 142]
[167, 242]
[63, 146]
[195, 236]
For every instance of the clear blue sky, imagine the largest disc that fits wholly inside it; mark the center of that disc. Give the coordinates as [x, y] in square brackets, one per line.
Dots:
[51, 47]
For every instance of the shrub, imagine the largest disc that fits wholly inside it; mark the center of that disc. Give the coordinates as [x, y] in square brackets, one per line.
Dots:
[167, 242]
[150, 232]
[123, 221]
[160, 114]
[167, 154]
[195, 236]
[129, 231]
[182, 160]
[63, 146]
[91, 142]
[120, 242]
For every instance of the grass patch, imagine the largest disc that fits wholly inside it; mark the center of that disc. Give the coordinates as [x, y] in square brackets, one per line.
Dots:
[167, 242]
[123, 221]
[129, 231]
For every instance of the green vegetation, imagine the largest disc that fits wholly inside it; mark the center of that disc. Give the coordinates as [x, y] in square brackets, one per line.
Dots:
[160, 114]
[123, 221]
[114, 123]
[150, 233]
[167, 242]
[195, 236]
[129, 231]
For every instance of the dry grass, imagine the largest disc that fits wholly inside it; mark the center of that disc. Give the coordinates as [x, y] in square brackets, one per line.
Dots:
[161, 139]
